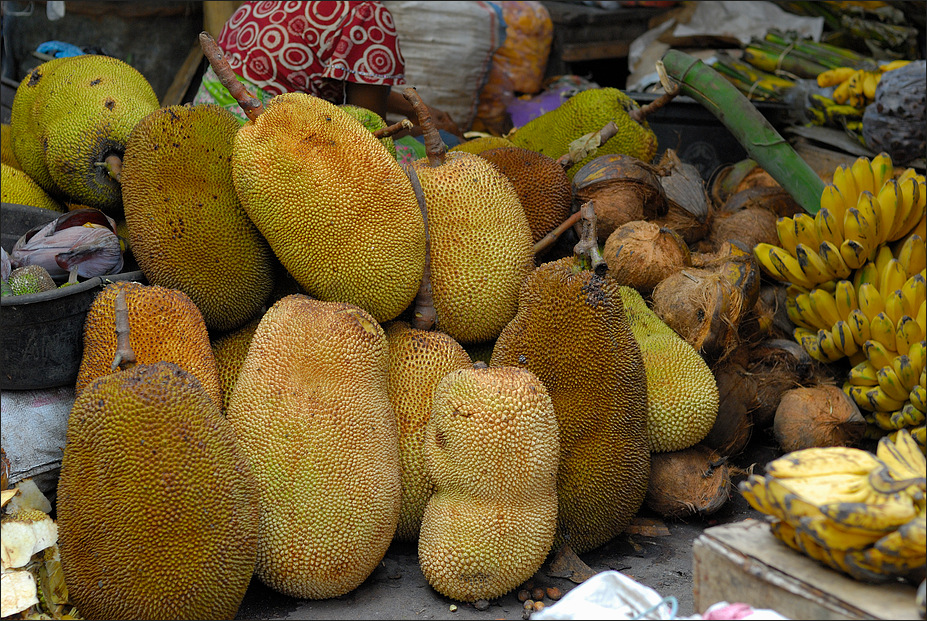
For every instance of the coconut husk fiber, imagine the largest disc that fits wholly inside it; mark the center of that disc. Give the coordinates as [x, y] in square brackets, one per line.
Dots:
[695, 481]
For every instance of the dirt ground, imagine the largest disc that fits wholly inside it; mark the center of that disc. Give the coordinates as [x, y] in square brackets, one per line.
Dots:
[653, 551]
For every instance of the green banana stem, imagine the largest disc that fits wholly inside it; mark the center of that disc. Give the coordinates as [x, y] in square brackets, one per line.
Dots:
[759, 138]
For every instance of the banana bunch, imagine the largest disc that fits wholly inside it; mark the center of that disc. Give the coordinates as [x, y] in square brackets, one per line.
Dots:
[855, 87]
[859, 513]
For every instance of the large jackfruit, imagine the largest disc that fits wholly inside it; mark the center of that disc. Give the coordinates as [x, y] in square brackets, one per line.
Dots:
[571, 331]
[19, 188]
[311, 409]
[418, 360]
[479, 239]
[492, 450]
[6, 147]
[230, 350]
[157, 505]
[72, 116]
[372, 121]
[335, 206]
[483, 143]
[165, 325]
[682, 394]
[187, 228]
[586, 112]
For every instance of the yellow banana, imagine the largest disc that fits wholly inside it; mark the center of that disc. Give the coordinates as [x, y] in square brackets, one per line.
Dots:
[905, 371]
[907, 333]
[833, 77]
[867, 273]
[830, 253]
[813, 267]
[891, 66]
[785, 228]
[869, 300]
[886, 421]
[824, 306]
[882, 170]
[853, 253]
[919, 434]
[882, 330]
[871, 565]
[894, 306]
[917, 354]
[819, 461]
[788, 265]
[806, 309]
[913, 254]
[794, 314]
[809, 342]
[829, 534]
[859, 326]
[857, 228]
[843, 179]
[909, 211]
[907, 416]
[843, 338]
[826, 227]
[844, 298]
[753, 489]
[861, 169]
[906, 540]
[918, 398]
[878, 355]
[877, 400]
[891, 278]
[828, 346]
[889, 199]
[891, 385]
[805, 232]
[870, 209]
[836, 204]
[842, 92]
[902, 456]
[882, 257]
[870, 81]
[863, 374]
[913, 293]
[870, 517]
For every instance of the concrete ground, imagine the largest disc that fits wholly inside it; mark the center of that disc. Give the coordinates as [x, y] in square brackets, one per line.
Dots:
[654, 552]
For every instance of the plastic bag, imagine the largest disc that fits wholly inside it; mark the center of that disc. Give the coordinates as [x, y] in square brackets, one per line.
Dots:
[610, 595]
[528, 37]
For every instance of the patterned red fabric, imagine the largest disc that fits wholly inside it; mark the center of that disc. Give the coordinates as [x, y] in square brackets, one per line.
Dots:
[313, 47]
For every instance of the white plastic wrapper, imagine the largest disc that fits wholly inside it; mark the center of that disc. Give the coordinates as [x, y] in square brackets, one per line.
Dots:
[610, 595]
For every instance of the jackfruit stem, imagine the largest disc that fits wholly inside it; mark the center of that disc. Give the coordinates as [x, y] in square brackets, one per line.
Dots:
[589, 144]
[587, 249]
[548, 240]
[250, 105]
[113, 165]
[125, 355]
[424, 314]
[434, 145]
[391, 130]
[640, 114]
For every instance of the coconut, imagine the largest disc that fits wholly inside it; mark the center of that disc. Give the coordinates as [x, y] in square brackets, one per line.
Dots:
[768, 319]
[622, 189]
[695, 481]
[688, 203]
[779, 365]
[733, 424]
[749, 226]
[813, 416]
[640, 254]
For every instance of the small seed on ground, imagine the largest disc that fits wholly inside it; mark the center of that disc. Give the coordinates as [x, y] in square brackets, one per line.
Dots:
[554, 593]
[537, 593]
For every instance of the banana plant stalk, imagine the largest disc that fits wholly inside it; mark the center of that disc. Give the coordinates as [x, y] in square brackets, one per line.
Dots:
[759, 138]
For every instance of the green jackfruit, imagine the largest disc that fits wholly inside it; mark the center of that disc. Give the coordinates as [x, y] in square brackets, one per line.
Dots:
[312, 412]
[571, 331]
[492, 450]
[30, 279]
[187, 228]
[418, 360]
[586, 112]
[83, 111]
[372, 121]
[157, 506]
[682, 395]
[337, 209]
[6, 147]
[482, 143]
[19, 188]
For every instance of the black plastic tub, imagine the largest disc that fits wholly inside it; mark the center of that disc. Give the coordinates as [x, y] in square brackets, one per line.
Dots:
[41, 341]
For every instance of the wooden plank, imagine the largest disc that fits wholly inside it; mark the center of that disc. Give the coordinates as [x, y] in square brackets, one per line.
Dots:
[574, 52]
[183, 78]
[744, 562]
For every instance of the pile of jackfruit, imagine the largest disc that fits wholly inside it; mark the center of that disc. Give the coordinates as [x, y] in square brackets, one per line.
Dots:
[333, 351]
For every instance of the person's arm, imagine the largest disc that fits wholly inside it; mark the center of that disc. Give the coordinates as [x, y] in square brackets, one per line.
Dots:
[398, 104]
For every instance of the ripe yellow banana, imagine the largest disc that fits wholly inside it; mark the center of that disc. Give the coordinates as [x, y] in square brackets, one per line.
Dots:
[824, 307]
[907, 416]
[917, 354]
[830, 253]
[805, 232]
[869, 300]
[913, 293]
[882, 169]
[786, 264]
[907, 334]
[843, 338]
[919, 434]
[907, 540]
[807, 311]
[913, 254]
[891, 385]
[813, 267]
[867, 273]
[843, 179]
[828, 346]
[831, 535]
[905, 371]
[861, 170]
[870, 209]
[833, 77]
[794, 314]
[902, 457]
[753, 489]
[879, 355]
[909, 210]
[892, 277]
[863, 374]
[835, 203]
[819, 461]
[870, 81]
[894, 307]
[918, 398]
[785, 229]
[859, 326]
[844, 298]
[889, 199]
[853, 253]
[870, 518]
[882, 331]
[875, 399]
[842, 92]
[808, 339]
[891, 66]
[870, 565]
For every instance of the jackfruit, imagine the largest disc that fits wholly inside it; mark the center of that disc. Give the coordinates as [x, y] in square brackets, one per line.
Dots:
[157, 505]
[492, 450]
[83, 111]
[479, 239]
[482, 143]
[418, 360]
[6, 147]
[311, 409]
[164, 324]
[230, 350]
[682, 395]
[541, 183]
[187, 228]
[586, 112]
[19, 188]
[335, 206]
[571, 331]
[372, 121]
[30, 279]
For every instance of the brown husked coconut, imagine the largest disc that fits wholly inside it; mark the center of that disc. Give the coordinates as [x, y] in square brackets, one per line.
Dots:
[640, 254]
[688, 202]
[622, 189]
[733, 425]
[768, 319]
[820, 415]
[692, 482]
[779, 365]
[749, 226]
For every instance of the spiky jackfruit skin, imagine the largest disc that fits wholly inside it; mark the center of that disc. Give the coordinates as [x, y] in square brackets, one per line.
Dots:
[541, 183]
[492, 449]
[83, 111]
[19, 188]
[482, 143]
[187, 228]
[230, 350]
[372, 121]
[311, 410]
[164, 325]
[480, 242]
[157, 504]
[585, 112]
[682, 394]
[337, 209]
[6, 147]
[418, 360]
[572, 332]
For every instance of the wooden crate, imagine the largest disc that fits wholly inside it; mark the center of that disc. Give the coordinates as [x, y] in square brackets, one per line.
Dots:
[744, 562]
